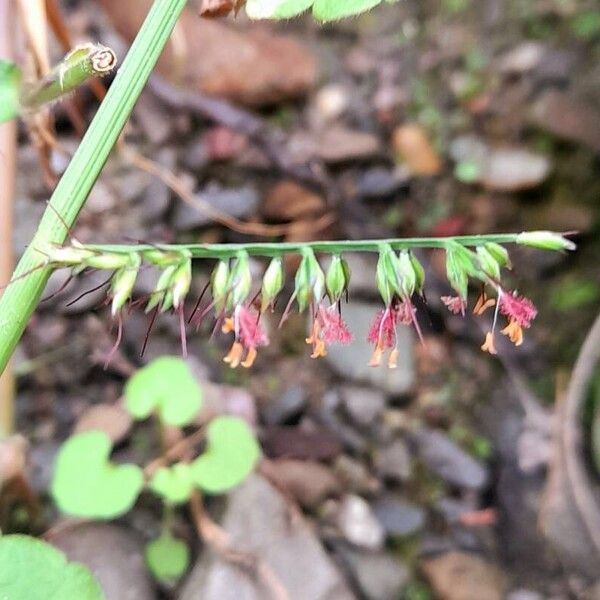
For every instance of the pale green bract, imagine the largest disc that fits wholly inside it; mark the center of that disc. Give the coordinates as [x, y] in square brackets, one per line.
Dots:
[10, 83]
[87, 484]
[167, 558]
[33, 570]
[323, 10]
[167, 386]
[231, 455]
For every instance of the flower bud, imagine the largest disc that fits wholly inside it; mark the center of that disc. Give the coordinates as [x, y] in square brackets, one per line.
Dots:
[546, 240]
[386, 276]
[460, 265]
[67, 256]
[162, 290]
[337, 279]
[500, 254]
[108, 261]
[272, 283]
[488, 263]
[309, 281]
[123, 281]
[240, 278]
[182, 281]
[219, 284]
[419, 273]
[406, 274]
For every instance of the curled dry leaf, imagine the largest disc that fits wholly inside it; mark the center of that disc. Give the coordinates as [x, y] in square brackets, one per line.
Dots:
[219, 8]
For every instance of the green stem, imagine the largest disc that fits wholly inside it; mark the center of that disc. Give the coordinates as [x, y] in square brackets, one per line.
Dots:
[328, 247]
[20, 299]
[91, 60]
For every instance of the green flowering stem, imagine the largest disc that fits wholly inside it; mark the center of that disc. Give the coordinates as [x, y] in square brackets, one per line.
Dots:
[273, 249]
[81, 64]
[20, 298]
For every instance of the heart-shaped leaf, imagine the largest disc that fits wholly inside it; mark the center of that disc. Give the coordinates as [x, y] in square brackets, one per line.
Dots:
[174, 483]
[167, 558]
[33, 570]
[276, 9]
[330, 10]
[168, 386]
[230, 457]
[323, 10]
[86, 484]
[10, 84]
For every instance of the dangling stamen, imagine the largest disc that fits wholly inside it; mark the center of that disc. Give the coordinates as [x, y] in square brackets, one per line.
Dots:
[117, 341]
[250, 358]
[182, 331]
[235, 355]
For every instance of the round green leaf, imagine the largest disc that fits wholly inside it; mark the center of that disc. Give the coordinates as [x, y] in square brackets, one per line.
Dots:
[167, 558]
[86, 484]
[231, 455]
[330, 10]
[168, 386]
[174, 483]
[10, 83]
[33, 570]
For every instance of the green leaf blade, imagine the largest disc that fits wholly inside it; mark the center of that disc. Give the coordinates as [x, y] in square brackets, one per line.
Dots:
[276, 9]
[167, 558]
[174, 484]
[86, 484]
[231, 455]
[331, 10]
[33, 570]
[168, 386]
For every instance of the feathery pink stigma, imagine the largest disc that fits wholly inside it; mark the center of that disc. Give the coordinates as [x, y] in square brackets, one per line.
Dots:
[333, 328]
[517, 308]
[455, 304]
[248, 329]
[383, 329]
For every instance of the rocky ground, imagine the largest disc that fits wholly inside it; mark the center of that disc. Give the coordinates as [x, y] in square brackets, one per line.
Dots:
[419, 118]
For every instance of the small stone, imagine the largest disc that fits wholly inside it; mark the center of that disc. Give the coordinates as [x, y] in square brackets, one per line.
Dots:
[523, 594]
[237, 203]
[501, 169]
[449, 461]
[294, 442]
[567, 117]
[358, 524]
[336, 144]
[412, 145]
[13, 458]
[523, 58]
[285, 406]
[113, 554]
[394, 462]
[331, 101]
[379, 182]
[355, 476]
[289, 201]
[462, 576]
[258, 521]
[364, 405]
[351, 361]
[310, 483]
[398, 517]
[511, 169]
[156, 199]
[113, 420]
[379, 575]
